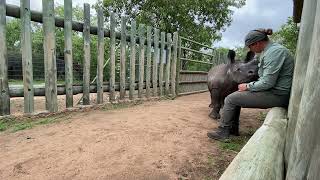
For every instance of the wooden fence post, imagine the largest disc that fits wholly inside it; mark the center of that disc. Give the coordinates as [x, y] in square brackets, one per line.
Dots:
[178, 64]
[305, 148]
[4, 88]
[123, 58]
[50, 56]
[141, 59]
[162, 58]
[300, 69]
[68, 52]
[132, 60]
[155, 62]
[87, 55]
[168, 63]
[26, 49]
[112, 80]
[174, 64]
[148, 68]
[100, 57]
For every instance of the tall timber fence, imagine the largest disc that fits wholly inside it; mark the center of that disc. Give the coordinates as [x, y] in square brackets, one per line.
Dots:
[142, 61]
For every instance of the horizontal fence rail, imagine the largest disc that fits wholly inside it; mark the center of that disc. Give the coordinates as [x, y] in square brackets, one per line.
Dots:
[145, 63]
[192, 72]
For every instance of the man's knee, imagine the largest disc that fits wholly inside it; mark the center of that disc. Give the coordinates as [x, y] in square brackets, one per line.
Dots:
[230, 97]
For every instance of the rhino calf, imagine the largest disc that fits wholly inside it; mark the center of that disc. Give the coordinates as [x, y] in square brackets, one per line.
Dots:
[224, 79]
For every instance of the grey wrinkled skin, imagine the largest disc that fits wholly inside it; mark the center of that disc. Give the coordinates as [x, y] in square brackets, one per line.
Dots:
[224, 79]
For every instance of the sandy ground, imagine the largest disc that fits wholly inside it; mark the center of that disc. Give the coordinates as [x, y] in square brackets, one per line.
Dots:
[154, 140]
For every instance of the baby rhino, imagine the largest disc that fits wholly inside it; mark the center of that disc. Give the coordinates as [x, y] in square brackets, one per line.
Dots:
[224, 79]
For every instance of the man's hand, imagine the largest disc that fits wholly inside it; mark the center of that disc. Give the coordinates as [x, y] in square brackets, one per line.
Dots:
[242, 87]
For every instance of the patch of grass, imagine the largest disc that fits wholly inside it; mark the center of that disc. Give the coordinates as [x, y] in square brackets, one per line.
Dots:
[15, 125]
[234, 143]
[262, 116]
[123, 105]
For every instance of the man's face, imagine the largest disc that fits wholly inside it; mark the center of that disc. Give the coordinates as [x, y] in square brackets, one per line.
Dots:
[256, 47]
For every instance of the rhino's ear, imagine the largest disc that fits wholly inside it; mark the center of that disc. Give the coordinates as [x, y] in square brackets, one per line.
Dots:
[231, 56]
[249, 57]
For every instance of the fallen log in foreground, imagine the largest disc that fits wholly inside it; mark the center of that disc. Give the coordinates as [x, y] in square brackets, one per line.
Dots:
[262, 157]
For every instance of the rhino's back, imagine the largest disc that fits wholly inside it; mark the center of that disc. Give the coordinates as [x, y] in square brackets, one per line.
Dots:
[217, 76]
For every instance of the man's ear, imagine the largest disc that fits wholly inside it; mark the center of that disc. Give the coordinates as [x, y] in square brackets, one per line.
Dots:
[249, 57]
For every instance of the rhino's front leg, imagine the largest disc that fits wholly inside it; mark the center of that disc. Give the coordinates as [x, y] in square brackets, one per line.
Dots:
[215, 102]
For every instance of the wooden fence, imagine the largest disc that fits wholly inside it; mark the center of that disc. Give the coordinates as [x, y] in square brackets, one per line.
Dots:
[156, 78]
[153, 58]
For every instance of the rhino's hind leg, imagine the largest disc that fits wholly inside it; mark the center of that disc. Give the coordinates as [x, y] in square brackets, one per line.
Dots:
[211, 104]
[215, 102]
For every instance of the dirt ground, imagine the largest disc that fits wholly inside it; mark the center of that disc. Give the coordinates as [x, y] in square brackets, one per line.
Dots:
[154, 140]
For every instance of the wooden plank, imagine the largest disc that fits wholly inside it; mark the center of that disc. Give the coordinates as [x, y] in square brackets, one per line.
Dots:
[174, 64]
[132, 60]
[162, 59]
[100, 57]
[68, 52]
[148, 68]
[50, 56]
[26, 50]
[301, 63]
[262, 157]
[123, 58]
[168, 64]
[87, 55]
[141, 58]
[112, 80]
[155, 62]
[4, 88]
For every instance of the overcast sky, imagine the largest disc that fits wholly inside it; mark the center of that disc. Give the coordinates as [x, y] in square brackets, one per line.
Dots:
[255, 14]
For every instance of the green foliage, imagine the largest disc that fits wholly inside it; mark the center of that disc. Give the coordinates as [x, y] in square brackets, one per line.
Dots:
[13, 33]
[199, 20]
[287, 35]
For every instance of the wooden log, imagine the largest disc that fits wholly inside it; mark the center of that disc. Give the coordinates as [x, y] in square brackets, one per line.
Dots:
[100, 57]
[304, 159]
[301, 63]
[49, 46]
[68, 52]
[148, 68]
[26, 50]
[39, 90]
[174, 64]
[87, 55]
[123, 58]
[168, 64]
[262, 157]
[4, 88]
[132, 60]
[155, 62]
[112, 57]
[141, 59]
[162, 59]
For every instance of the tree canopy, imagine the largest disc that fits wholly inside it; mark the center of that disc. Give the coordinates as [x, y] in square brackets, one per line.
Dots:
[287, 35]
[199, 20]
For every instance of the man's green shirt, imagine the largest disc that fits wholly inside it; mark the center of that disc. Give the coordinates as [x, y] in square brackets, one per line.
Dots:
[276, 68]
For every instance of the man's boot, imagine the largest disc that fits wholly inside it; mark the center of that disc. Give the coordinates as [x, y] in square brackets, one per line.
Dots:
[221, 134]
[235, 124]
[235, 130]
